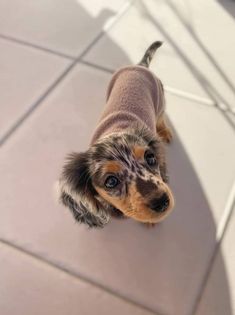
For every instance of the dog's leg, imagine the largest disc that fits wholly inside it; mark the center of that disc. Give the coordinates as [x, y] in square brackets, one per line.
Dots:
[163, 130]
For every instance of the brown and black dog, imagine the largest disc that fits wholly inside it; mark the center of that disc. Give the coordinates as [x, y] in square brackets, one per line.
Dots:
[123, 173]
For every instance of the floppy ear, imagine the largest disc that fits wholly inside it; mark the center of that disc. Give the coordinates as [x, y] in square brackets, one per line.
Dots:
[78, 193]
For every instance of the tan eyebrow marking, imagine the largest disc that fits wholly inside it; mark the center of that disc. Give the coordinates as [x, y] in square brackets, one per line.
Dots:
[139, 151]
[112, 167]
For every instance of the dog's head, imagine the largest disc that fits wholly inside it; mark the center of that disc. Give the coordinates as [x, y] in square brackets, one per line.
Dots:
[123, 172]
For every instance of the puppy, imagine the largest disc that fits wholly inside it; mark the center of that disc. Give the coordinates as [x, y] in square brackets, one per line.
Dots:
[123, 173]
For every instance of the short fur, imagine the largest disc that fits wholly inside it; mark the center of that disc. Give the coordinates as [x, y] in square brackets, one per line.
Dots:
[123, 150]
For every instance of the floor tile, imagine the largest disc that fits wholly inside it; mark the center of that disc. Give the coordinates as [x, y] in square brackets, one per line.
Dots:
[219, 295]
[29, 286]
[209, 142]
[64, 26]
[25, 75]
[158, 268]
[192, 58]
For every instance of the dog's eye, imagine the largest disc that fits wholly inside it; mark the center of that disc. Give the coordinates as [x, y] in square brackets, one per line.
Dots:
[150, 158]
[111, 182]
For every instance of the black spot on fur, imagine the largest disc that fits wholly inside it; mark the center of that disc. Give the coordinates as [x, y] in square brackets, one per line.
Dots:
[145, 187]
[123, 160]
[139, 172]
[133, 167]
[116, 213]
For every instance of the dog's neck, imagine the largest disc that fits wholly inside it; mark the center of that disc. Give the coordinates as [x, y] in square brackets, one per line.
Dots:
[135, 96]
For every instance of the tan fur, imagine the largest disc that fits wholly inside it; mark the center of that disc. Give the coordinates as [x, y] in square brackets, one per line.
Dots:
[163, 130]
[112, 167]
[138, 152]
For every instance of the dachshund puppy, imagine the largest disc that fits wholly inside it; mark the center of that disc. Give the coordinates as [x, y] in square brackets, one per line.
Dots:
[123, 173]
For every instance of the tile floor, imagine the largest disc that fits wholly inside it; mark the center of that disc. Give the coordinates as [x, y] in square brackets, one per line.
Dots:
[56, 61]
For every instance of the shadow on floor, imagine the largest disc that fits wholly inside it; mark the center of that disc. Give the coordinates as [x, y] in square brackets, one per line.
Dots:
[228, 5]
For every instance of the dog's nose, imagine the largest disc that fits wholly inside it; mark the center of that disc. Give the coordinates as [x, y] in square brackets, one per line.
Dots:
[160, 204]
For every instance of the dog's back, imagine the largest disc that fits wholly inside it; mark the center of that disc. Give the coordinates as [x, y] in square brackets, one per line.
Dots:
[135, 96]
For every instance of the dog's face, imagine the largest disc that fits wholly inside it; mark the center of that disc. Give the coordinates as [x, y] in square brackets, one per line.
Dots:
[124, 172]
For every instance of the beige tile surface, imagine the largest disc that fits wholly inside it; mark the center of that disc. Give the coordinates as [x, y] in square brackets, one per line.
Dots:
[31, 287]
[219, 296]
[25, 74]
[64, 26]
[197, 52]
[162, 268]
[209, 142]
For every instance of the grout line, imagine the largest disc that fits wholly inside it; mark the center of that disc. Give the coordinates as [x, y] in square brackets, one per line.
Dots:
[107, 26]
[35, 105]
[51, 87]
[220, 233]
[173, 91]
[187, 95]
[123, 9]
[199, 99]
[96, 66]
[35, 46]
[76, 275]
[222, 226]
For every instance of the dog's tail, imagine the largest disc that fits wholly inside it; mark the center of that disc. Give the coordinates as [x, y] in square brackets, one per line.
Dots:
[148, 56]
